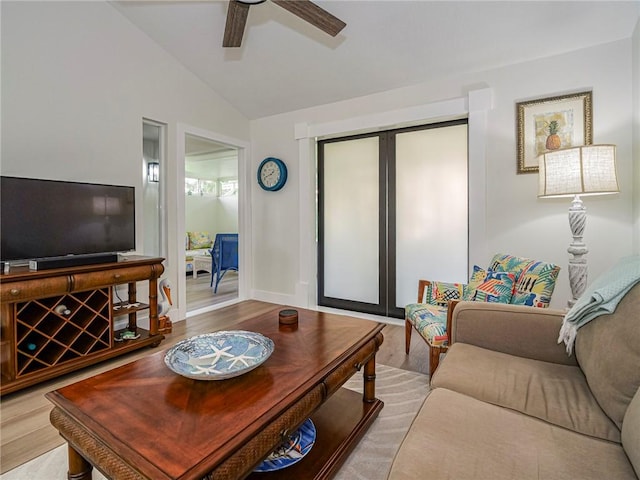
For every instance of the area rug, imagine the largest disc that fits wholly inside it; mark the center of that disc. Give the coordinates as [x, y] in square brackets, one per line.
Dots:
[401, 391]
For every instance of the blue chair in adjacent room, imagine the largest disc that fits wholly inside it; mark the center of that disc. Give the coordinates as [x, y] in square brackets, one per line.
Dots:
[224, 256]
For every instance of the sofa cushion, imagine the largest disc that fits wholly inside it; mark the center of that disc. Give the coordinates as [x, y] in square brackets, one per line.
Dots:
[199, 240]
[631, 432]
[555, 393]
[502, 327]
[608, 351]
[455, 436]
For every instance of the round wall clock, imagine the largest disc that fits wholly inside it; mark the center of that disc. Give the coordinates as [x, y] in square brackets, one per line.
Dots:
[272, 174]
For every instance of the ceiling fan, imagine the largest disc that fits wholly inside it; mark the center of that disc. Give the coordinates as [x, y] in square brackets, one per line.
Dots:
[305, 9]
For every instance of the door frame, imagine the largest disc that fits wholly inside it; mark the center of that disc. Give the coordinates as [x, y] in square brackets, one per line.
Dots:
[244, 215]
[160, 213]
[341, 303]
[475, 106]
[387, 190]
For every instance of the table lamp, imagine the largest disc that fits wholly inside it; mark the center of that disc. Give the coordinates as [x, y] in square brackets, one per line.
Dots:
[575, 172]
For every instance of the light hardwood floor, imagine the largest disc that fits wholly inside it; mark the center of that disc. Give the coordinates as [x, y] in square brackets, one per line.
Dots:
[200, 293]
[25, 431]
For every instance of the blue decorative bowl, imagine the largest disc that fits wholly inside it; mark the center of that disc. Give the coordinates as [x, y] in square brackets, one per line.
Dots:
[292, 450]
[219, 355]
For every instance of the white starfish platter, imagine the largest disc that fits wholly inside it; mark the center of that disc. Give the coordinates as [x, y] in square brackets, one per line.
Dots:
[219, 355]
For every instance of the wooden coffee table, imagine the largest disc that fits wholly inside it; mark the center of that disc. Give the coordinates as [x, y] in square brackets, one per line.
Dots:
[142, 420]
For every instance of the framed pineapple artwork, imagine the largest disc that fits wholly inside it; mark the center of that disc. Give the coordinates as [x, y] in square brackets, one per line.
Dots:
[551, 123]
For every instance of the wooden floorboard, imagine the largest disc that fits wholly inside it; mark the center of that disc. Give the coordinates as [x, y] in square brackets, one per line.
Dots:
[200, 292]
[25, 431]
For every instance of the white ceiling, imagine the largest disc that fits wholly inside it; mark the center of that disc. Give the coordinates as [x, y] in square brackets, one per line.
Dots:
[206, 159]
[198, 146]
[285, 64]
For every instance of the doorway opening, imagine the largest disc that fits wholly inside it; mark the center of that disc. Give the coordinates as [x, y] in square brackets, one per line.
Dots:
[153, 191]
[211, 209]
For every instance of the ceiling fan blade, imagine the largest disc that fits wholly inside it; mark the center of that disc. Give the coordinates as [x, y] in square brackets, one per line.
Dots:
[236, 20]
[312, 13]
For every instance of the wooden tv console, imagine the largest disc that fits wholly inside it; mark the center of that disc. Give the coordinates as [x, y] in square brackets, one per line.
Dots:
[56, 321]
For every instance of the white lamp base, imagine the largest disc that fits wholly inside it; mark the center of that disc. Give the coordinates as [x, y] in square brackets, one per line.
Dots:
[578, 250]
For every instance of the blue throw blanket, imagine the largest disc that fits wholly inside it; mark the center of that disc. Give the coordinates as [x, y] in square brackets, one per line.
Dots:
[601, 297]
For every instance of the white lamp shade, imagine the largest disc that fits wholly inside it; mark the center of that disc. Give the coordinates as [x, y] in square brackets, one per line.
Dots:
[585, 170]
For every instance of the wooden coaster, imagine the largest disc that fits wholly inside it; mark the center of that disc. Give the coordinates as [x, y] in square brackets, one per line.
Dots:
[288, 317]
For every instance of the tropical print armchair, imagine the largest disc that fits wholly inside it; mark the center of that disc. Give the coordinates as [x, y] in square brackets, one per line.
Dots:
[509, 279]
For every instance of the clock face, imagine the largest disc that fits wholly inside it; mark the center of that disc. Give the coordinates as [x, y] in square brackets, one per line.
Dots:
[272, 174]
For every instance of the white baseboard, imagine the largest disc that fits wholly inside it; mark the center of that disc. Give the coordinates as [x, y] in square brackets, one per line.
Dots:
[277, 298]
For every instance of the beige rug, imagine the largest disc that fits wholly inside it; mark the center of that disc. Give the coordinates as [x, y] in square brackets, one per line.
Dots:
[401, 391]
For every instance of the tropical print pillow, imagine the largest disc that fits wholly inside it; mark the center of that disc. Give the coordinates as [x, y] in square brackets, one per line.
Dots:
[535, 285]
[535, 281]
[439, 293]
[490, 286]
[477, 277]
[509, 263]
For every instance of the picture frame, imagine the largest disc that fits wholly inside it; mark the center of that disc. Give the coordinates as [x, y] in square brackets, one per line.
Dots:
[551, 123]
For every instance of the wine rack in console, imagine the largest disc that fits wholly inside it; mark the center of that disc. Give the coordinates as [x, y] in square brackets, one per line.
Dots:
[56, 330]
[60, 320]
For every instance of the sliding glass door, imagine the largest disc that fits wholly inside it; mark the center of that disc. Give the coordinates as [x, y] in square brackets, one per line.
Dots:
[392, 210]
[351, 224]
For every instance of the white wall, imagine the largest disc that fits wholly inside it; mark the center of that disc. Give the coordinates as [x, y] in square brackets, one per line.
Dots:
[516, 220]
[215, 214]
[636, 136]
[77, 80]
[211, 214]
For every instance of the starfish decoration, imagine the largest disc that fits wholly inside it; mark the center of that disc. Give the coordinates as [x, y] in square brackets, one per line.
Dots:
[217, 354]
[207, 370]
[240, 358]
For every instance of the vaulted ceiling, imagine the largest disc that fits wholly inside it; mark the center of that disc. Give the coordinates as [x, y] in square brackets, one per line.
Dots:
[285, 64]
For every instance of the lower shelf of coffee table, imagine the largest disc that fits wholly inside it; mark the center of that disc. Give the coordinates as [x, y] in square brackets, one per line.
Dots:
[340, 423]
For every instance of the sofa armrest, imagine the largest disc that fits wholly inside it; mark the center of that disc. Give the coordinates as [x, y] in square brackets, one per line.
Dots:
[527, 332]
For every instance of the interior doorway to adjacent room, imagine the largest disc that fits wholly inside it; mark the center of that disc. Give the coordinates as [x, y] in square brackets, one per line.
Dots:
[154, 188]
[211, 207]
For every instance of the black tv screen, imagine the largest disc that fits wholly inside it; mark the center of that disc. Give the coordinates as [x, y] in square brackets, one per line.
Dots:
[49, 218]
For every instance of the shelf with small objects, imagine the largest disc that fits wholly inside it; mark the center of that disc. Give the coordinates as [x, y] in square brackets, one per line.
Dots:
[59, 320]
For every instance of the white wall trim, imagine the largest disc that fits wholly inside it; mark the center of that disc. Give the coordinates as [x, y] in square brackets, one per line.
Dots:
[244, 211]
[432, 112]
[475, 106]
[307, 261]
[274, 297]
[480, 102]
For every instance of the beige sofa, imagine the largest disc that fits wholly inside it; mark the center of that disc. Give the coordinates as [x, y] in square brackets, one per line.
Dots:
[509, 403]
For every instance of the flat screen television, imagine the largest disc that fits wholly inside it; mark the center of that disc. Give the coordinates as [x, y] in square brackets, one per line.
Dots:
[50, 218]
